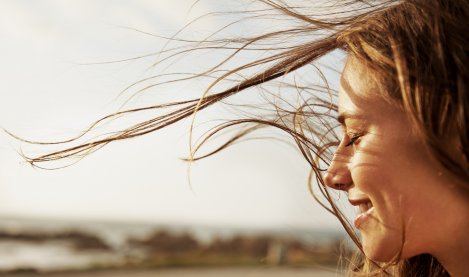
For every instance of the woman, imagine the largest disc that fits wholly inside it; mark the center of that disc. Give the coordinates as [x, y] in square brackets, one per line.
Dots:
[403, 107]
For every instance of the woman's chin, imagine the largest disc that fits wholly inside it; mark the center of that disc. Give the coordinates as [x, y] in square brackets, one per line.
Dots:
[381, 247]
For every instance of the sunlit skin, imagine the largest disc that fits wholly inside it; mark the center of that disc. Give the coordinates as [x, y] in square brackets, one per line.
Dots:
[416, 203]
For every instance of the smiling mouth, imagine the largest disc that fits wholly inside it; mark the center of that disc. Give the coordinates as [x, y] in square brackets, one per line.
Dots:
[365, 210]
[364, 207]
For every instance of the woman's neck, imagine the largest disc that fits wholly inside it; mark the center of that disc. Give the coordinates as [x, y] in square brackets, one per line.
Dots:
[452, 247]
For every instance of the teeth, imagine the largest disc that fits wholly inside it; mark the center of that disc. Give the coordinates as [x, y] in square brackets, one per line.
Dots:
[364, 207]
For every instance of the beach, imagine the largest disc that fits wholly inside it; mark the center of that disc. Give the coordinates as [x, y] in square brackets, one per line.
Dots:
[195, 272]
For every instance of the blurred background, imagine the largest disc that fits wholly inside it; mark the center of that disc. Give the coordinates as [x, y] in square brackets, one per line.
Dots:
[130, 205]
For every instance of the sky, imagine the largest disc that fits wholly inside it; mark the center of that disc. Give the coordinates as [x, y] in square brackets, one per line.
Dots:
[51, 90]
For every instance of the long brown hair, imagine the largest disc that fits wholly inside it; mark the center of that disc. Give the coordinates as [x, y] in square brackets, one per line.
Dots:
[417, 50]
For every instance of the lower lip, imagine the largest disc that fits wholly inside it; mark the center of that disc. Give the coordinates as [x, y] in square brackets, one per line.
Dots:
[361, 218]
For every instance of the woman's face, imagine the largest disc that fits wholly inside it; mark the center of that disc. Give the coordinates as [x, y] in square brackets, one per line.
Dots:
[388, 175]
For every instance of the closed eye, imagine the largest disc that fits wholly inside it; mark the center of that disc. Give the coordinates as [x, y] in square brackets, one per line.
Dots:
[353, 139]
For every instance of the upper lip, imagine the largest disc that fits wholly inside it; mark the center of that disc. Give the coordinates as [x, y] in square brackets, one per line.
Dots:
[358, 201]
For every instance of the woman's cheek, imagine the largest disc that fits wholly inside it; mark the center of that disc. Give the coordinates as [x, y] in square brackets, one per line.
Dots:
[374, 178]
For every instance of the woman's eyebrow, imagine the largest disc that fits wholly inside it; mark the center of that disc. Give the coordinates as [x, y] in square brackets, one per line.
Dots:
[347, 115]
[341, 118]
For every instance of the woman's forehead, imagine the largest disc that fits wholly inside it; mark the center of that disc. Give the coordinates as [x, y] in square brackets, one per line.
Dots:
[355, 86]
[358, 78]
[359, 91]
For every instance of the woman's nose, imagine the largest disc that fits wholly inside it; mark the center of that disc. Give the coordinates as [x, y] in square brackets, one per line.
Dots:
[338, 174]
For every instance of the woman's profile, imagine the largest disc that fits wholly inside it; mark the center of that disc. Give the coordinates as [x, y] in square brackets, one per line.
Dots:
[403, 107]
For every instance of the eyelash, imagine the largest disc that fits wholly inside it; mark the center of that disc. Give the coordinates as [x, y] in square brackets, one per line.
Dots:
[353, 139]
